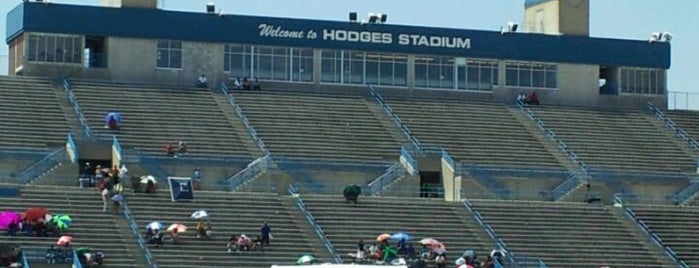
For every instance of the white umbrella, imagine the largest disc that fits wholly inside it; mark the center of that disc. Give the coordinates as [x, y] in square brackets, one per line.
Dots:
[145, 179]
[155, 225]
[199, 214]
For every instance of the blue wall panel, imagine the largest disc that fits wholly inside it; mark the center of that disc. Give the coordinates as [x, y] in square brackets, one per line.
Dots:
[159, 24]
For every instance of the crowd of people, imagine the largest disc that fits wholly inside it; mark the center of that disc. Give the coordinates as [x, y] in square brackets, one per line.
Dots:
[181, 149]
[532, 99]
[246, 84]
[244, 243]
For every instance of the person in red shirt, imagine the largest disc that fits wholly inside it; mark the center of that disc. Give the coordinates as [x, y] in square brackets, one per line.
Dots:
[168, 149]
[533, 98]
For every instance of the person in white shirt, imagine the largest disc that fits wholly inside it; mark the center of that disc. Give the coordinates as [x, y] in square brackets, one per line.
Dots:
[105, 199]
[202, 82]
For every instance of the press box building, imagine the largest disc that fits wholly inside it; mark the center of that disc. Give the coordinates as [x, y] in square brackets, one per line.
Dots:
[133, 40]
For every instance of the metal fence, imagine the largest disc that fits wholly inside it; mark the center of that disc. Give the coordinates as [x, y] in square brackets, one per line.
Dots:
[396, 119]
[244, 119]
[42, 166]
[253, 169]
[392, 174]
[316, 227]
[677, 100]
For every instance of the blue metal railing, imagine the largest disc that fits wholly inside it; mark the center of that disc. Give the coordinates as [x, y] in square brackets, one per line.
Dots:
[571, 183]
[679, 132]
[396, 119]
[686, 194]
[139, 238]
[76, 260]
[650, 234]
[484, 177]
[392, 174]
[76, 108]
[253, 169]
[25, 262]
[151, 165]
[244, 119]
[72, 149]
[449, 160]
[498, 243]
[316, 227]
[408, 161]
[117, 147]
[299, 173]
[42, 166]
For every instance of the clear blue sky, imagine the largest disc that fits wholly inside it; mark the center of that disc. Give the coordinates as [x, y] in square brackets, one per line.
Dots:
[628, 19]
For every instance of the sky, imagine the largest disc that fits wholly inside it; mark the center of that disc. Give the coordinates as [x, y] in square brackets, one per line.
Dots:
[626, 19]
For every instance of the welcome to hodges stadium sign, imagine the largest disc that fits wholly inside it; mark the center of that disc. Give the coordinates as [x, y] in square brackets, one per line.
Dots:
[342, 35]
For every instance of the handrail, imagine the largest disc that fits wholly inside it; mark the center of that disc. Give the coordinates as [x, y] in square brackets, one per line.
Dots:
[650, 234]
[72, 149]
[76, 108]
[254, 168]
[391, 175]
[316, 227]
[408, 161]
[685, 194]
[76, 260]
[396, 119]
[552, 135]
[679, 132]
[570, 183]
[489, 230]
[47, 162]
[484, 177]
[243, 119]
[139, 238]
[25, 263]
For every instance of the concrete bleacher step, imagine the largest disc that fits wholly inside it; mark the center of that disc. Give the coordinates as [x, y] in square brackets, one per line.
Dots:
[241, 130]
[676, 226]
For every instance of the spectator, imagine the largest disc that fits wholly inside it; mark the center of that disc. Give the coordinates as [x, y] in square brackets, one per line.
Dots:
[51, 255]
[410, 252]
[360, 250]
[265, 233]
[182, 147]
[105, 199]
[256, 84]
[12, 228]
[202, 82]
[231, 243]
[246, 84]
[197, 175]
[257, 244]
[203, 229]
[237, 84]
[158, 238]
[116, 204]
[533, 98]
[87, 170]
[123, 172]
[521, 98]
[168, 149]
[150, 187]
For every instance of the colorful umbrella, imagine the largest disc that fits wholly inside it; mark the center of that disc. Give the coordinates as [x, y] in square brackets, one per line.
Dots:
[156, 225]
[35, 214]
[63, 240]
[199, 214]
[7, 218]
[429, 241]
[400, 236]
[383, 237]
[118, 198]
[146, 179]
[82, 250]
[180, 228]
[62, 221]
[306, 259]
[115, 115]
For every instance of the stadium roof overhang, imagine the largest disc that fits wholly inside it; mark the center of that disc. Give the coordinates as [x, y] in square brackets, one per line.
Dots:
[272, 31]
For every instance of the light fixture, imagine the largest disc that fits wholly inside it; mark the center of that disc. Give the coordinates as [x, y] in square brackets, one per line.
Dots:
[353, 16]
[660, 37]
[372, 18]
[384, 17]
[654, 37]
[210, 8]
[667, 37]
[510, 28]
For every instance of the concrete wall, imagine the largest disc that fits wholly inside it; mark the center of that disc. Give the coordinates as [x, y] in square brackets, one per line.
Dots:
[560, 17]
[550, 18]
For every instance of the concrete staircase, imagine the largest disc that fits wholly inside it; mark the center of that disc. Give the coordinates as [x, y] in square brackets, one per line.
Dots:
[91, 227]
[677, 226]
[615, 139]
[231, 214]
[478, 132]
[154, 115]
[316, 125]
[569, 235]
[31, 116]
[345, 224]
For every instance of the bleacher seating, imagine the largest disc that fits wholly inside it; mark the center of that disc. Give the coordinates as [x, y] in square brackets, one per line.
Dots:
[91, 227]
[615, 139]
[479, 132]
[316, 125]
[31, 114]
[344, 224]
[676, 226]
[230, 214]
[155, 115]
[569, 234]
[687, 120]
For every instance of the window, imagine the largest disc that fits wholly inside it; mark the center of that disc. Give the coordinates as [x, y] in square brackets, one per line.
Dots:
[331, 66]
[642, 81]
[302, 67]
[477, 74]
[54, 48]
[169, 54]
[236, 60]
[531, 74]
[268, 63]
[352, 67]
[434, 72]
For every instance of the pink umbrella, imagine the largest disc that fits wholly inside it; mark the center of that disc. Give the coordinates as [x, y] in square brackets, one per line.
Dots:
[63, 240]
[7, 218]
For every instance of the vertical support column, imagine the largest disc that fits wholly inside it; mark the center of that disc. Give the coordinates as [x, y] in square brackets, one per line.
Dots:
[317, 53]
[411, 72]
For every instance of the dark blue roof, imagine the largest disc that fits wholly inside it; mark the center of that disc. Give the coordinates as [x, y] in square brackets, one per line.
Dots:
[201, 27]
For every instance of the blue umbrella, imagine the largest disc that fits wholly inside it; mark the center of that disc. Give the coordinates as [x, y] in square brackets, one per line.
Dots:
[115, 115]
[156, 225]
[400, 236]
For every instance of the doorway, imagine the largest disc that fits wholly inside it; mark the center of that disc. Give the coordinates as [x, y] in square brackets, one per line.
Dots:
[95, 52]
[431, 184]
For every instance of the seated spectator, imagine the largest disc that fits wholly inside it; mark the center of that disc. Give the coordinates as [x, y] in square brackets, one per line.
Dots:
[182, 147]
[157, 239]
[521, 98]
[150, 187]
[533, 98]
[231, 243]
[243, 243]
[256, 84]
[113, 125]
[168, 149]
[410, 252]
[51, 255]
[202, 82]
[12, 228]
[257, 244]
[237, 84]
[246, 84]
[201, 228]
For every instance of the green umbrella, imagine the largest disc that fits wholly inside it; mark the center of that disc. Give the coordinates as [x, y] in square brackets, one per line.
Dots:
[352, 190]
[306, 259]
[82, 250]
[62, 221]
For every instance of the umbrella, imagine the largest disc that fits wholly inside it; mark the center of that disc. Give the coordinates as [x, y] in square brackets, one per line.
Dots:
[82, 250]
[352, 190]
[35, 214]
[200, 214]
[470, 254]
[145, 179]
[48, 217]
[306, 259]
[63, 240]
[429, 241]
[117, 117]
[62, 221]
[400, 236]
[118, 198]
[180, 228]
[383, 237]
[156, 225]
[7, 218]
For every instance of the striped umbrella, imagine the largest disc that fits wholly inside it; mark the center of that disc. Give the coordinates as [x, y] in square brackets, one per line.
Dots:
[62, 221]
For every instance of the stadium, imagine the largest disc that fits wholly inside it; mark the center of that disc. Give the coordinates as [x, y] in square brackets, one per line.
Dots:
[552, 147]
